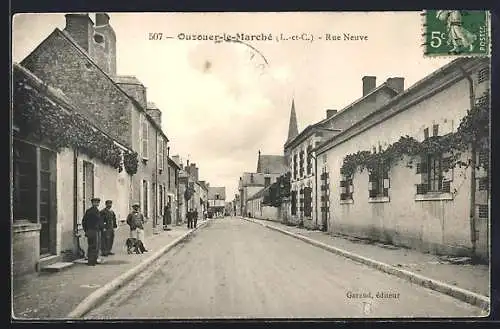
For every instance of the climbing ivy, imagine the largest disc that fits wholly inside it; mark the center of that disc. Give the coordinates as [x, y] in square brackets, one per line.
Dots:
[130, 162]
[41, 120]
[472, 131]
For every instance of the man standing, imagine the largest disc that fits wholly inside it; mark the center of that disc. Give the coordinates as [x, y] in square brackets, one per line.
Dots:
[109, 220]
[92, 224]
[195, 217]
[135, 221]
[189, 216]
[167, 216]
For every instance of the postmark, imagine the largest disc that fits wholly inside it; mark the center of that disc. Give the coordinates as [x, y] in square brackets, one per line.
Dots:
[457, 33]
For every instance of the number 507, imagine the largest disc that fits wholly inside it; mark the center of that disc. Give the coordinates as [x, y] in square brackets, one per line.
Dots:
[436, 38]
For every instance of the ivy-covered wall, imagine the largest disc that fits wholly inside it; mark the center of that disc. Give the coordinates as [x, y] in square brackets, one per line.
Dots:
[437, 226]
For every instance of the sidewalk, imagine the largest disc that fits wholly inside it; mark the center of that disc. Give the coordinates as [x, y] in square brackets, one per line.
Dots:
[54, 295]
[475, 278]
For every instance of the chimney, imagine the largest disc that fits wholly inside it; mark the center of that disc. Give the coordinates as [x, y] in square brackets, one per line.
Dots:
[369, 83]
[101, 19]
[154, 112]
[330, 113]
[81, 28]
[397, 84]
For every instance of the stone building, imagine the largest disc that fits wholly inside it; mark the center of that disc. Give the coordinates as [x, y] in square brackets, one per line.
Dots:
[216, 199]
[416, 200]
[80, 62]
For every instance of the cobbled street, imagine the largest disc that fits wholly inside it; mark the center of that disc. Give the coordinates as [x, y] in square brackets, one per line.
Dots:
[236, 269]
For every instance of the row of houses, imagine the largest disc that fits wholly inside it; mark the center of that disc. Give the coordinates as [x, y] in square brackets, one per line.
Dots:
[82, 131]
[407, 166]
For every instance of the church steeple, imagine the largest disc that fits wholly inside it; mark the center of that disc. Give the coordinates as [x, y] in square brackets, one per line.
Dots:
[293, 131]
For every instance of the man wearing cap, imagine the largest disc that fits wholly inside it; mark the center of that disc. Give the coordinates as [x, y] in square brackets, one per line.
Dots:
[135, 221]
[108, 233]
[92, 224]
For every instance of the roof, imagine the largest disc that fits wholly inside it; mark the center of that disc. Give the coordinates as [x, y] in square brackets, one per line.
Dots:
[259, 194]
[246, 179]
[323, 122]
[173, 163]
[271, 164]
[67, 37]
[59, 98]
[359, 100]
[214, 190]
[365, 123]
[127, 79]
[293, 130]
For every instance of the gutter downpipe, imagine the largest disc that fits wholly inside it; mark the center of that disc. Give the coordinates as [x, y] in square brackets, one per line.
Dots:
[472, 214]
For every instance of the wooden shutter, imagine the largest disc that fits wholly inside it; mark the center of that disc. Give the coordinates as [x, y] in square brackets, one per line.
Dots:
[372, 191]
[387, 181]
[447, 173]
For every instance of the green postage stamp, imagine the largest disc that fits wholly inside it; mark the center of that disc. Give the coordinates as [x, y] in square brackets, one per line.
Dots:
[457, 32]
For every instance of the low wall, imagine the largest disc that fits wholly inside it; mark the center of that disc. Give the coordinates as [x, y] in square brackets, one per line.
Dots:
[26, 247]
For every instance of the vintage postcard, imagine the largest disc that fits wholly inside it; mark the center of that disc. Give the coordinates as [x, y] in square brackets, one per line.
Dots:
[326, 165]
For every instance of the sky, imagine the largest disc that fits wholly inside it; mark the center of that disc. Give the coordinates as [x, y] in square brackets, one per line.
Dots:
[222, 102]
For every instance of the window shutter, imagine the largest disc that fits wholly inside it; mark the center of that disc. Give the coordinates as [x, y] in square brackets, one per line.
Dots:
[387, 183]
[447, 170]
[421, 188]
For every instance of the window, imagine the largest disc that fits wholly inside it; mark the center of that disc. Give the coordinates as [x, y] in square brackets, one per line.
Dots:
[267, 181]
[301, 164]
[161, 199]
[309, 160]
[295, 166]
[378, 181]
[483, 75]
[301, 200]
[169, 178]
[159, 152]
[435, 175]
[483, 211]
[251, 178]
[144, 137]
[307, 201]
[294, 203]
[145, 201]
[346, 188]
[24, 175]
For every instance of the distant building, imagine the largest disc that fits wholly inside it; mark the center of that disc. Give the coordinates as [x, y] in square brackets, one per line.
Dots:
[269, 168]
[216, 199]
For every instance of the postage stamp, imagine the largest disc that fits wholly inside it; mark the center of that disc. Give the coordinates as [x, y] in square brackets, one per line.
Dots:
[457, 32]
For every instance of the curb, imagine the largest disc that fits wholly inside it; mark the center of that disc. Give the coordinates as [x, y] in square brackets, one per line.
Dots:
[99, 295]
[439, 286]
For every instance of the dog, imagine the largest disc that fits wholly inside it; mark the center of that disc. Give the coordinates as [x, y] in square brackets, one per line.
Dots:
[134, 245]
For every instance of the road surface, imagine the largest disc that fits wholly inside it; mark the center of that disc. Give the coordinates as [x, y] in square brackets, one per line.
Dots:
[236, 269]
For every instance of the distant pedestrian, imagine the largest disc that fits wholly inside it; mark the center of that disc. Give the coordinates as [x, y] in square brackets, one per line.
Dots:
[92, 224]
[135, 221]
[108, 233]
[167, 216]
[189, 216]
[195, 217]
